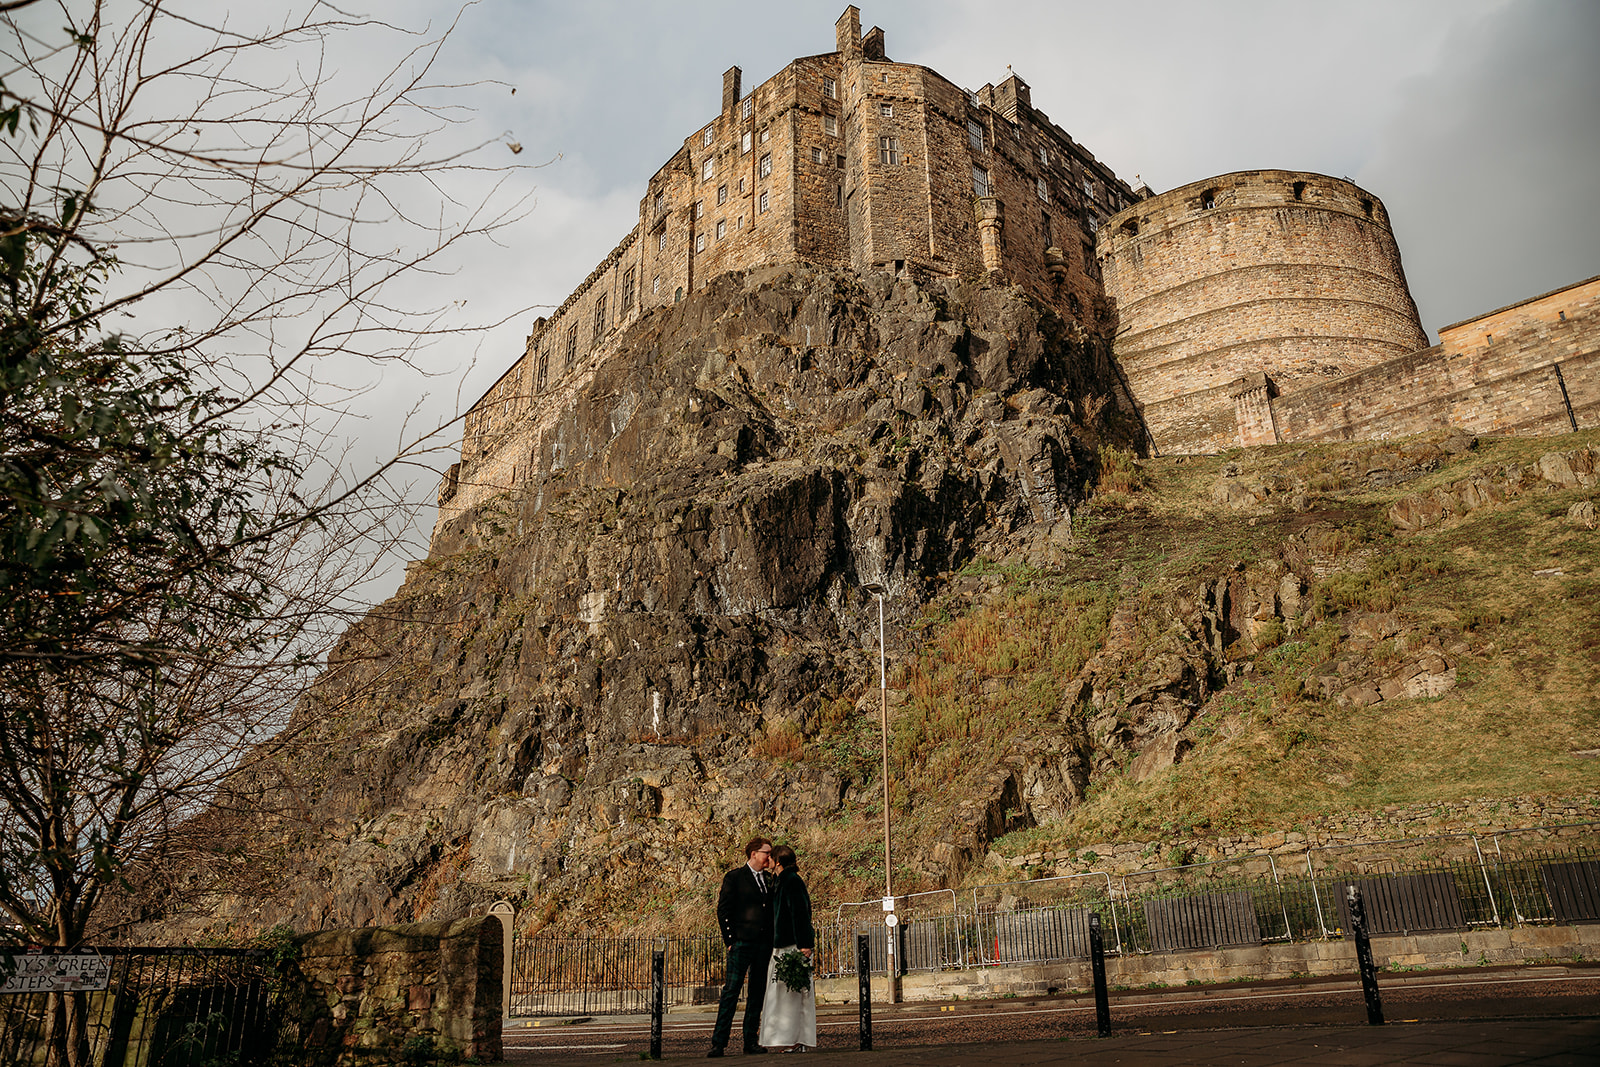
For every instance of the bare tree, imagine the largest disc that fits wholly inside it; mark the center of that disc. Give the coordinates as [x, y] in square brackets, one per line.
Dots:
[179, 530]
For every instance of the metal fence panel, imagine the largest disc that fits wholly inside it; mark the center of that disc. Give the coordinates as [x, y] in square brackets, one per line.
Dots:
[1573, 889]
[1407, 903]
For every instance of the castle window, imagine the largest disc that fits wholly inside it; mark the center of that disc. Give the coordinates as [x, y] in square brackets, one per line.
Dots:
[677, 295]
[1299, 190]
[660, 203]
[975, 134]
[700, 243]
[1131, 228]
[972, 98]
[1075, 304]
[838, 161]
[816, 154]
[1041, 189]
[599, 316]
[544, 369]
[1016, 131]
[738, 223]
[1208, 199]
[1049, 230]
[766, 135]
[661, 241]
[830, 88]
[1366, 208]
[707, 138]
[1562, 315]
[572, 345]
[1094, 222]
[830, 125]
[889, 151]
[708, 169]
[838, 197]
[1089, 265]
[749, 106]
[1088, 188]
[1044, 156]
[699, 209]
[722, 194]
[722, 228]
[764, 168]
[763, 206]
[627, 288]
[741, 185]
[980, 181]
[744, 142]
[655, 286]
[886, 110]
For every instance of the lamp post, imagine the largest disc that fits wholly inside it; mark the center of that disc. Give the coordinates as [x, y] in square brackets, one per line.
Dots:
[890, 919]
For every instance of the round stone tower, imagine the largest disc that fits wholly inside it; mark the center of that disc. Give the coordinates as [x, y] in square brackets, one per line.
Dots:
[1234, 289]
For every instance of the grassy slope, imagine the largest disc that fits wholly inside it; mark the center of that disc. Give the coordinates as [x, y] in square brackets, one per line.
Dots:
[1267, 756]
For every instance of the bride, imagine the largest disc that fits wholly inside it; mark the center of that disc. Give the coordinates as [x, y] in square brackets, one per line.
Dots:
[789, 1018]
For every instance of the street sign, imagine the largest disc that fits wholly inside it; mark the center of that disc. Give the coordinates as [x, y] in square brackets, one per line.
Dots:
[28, 972]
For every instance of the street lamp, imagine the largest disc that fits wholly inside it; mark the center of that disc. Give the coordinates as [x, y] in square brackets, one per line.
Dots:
[890, 919]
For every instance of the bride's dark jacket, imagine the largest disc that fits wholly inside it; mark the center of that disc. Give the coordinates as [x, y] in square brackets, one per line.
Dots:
[791, 914]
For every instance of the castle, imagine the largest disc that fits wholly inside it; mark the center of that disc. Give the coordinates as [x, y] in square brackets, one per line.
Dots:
[1252, 308]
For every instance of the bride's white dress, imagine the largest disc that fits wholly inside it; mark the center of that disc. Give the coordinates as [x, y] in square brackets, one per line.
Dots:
[787, 1017]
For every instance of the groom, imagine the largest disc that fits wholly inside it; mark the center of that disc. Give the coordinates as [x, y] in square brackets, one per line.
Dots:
[744, 912]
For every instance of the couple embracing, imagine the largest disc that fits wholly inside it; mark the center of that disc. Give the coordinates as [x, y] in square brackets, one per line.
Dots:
[764, 912]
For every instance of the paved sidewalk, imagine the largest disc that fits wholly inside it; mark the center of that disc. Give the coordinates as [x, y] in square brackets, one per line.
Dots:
[1483, 1043]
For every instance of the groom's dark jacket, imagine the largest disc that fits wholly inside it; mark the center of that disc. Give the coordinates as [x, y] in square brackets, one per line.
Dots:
[744, 912]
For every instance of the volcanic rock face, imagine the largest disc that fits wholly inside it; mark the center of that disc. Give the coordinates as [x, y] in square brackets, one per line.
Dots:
[571, 699]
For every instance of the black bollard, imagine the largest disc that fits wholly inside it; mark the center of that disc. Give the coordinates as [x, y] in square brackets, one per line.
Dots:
[1097, 957]
[658, 1000]
[1369, 970]
[864, 980]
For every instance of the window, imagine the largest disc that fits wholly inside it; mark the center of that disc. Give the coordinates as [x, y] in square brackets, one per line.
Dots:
[544, 367]
[830, 88]
[741, 185]
[838, 196]
[1208, 200]
[886, 110]
[838, 161]
[722, 228]
[1088, 188]
[655, 286]
[1094, 223]
[766, 135]
[889, 151]
[708, 169]
[600, 316]
[738, 223]
[660, 203]
[830, 125]
[975, 134]
[980, 181]
[816, 154]
[1016, 131]
[700, 243]
[1041, 189]
[699, 209]
[1044, 156]
[627, 288]
[749, 106]
[744, 142]
[572, 345]
[722, 194]
[677, 295]
[661, 241]
[707, 138]
[764, 168]
[1049, 230]
[763, 207]
[972, 98]
[1088, 259]
[1366, 208]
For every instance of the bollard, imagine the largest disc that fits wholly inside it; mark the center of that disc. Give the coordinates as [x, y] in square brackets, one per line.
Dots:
[1097, 957]
[1369, 970]
[864, 981]
[658, 1000]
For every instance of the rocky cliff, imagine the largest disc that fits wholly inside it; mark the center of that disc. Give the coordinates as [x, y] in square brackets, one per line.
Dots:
[601, 682]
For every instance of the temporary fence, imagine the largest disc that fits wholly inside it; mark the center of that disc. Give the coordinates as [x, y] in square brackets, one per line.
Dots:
[1413, 885]
[149, 1006]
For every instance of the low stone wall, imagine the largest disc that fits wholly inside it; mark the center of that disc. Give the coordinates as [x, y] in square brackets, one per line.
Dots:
[1522, 944]
[396, 994]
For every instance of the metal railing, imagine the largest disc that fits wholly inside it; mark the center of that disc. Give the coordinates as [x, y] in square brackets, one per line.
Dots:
[1446, 882]
[161, 1005]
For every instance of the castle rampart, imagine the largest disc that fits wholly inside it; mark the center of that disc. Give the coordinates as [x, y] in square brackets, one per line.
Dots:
[1290, 275]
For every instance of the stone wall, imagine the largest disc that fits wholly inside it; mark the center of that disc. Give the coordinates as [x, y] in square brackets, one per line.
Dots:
[1529, 369]
[1292, 275]
[376, 995]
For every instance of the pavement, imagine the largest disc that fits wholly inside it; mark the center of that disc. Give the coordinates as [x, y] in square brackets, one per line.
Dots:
[1547, 1015]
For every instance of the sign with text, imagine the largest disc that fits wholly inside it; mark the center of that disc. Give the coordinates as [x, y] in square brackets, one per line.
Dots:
[52, 973]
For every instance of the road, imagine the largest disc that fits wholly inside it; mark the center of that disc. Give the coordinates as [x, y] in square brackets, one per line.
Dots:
[1569, 993]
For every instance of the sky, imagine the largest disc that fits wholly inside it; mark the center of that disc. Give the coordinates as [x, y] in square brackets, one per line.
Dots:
[1477, 122]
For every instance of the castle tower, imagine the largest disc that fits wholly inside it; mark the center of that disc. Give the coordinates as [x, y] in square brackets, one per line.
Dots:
[1234, 289]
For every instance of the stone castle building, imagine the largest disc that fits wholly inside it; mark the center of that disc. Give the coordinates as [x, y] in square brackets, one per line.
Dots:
[1251, 308]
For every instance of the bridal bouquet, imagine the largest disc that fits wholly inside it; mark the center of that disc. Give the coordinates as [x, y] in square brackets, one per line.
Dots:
[793, 969]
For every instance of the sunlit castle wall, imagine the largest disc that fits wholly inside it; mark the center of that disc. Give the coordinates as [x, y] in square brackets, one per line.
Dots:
[1239, 288]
